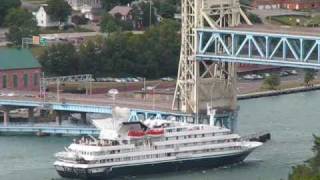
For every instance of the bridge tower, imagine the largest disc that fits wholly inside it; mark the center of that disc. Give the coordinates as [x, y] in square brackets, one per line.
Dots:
[206, 83]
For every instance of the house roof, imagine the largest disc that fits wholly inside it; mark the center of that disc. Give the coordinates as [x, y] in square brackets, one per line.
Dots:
[123, 10]
[17, 59]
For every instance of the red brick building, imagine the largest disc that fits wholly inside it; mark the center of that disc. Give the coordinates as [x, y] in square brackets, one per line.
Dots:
[301, 4]
[286, 4]
[266, 4]
[19, 70]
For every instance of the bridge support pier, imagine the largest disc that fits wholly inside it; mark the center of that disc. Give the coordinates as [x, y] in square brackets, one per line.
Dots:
[58, 115]
[83, 117]
[31, 114]
[6, 117]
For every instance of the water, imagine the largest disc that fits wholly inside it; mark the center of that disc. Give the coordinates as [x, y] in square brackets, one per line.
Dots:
[292, 119]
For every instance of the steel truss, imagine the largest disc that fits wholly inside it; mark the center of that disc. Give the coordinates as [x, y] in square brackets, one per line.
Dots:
[258, 48]
[202, 82]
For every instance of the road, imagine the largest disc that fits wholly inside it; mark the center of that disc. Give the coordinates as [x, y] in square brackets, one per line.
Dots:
[131, 100]
[99, 99]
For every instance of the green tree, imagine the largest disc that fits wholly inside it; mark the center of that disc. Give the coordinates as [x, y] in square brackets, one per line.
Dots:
[111, 24]
[272, 81]
[148, 15]
[311, 169]
[5, 6]
[21, 24]
[59, 10]
[121, 54]
[166, 8]
[309, 76]
[90, 58]
[60, 59]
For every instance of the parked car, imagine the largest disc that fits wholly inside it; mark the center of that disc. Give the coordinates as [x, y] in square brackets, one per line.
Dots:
[292, 72]
[284, 73]
[167, 79]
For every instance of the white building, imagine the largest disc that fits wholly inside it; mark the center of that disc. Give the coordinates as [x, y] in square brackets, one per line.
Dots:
[86, 10]
[44, 20]
[77, 5]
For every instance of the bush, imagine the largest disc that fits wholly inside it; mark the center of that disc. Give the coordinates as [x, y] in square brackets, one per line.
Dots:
[79, 20]
[309, 76]
[272, 82]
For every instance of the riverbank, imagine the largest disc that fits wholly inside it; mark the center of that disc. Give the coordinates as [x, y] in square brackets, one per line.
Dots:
[278, 92]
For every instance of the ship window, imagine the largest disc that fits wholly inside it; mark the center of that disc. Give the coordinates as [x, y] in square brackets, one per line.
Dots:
[177, 138]
[202, 135]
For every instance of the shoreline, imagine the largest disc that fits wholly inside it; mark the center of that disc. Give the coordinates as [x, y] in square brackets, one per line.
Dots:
[278, 92]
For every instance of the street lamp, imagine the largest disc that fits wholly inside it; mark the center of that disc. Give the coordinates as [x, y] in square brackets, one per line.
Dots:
[113, 93]
[153, 88]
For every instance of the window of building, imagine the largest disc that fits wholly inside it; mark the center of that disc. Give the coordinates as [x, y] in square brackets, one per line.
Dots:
[15, 81]
[25, 80]
[35, 79]
[4, 81]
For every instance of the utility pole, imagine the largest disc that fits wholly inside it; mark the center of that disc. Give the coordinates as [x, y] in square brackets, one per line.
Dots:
[150, 13]
[58, 90]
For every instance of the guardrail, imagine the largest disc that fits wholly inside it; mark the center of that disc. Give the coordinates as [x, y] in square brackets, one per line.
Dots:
[49, 129]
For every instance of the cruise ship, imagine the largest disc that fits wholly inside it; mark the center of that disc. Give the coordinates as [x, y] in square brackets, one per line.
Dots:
[152, 146]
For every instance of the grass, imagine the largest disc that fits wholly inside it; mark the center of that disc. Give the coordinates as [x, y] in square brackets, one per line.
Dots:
[288, 85]
[295, 20]
[36, 2]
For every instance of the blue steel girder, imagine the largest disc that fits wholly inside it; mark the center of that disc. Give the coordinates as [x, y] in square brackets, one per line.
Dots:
[136, 114]
[248, 47]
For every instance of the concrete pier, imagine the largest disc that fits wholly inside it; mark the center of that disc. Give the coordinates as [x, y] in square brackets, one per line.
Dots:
[6, 117]
[31, 114]
[58, 115]
[83, 117]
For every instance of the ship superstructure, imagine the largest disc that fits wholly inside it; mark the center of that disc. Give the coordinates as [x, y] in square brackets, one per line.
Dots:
[131, 148]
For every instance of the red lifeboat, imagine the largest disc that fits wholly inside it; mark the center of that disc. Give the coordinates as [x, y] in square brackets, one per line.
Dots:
[155, 132]
[136, 134]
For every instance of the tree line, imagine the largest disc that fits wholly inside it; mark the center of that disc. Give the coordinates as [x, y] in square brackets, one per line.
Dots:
[310, 170]
[152, 54]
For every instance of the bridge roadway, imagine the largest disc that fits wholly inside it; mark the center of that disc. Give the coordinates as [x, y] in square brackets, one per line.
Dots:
[87, 100]
[73, 103]
[286, 30]
[139, 109]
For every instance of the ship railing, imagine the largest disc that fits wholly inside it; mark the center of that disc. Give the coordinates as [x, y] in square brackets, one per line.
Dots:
[31, 124]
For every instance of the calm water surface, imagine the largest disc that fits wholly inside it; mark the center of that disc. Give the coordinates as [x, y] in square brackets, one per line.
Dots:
[292, 119]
